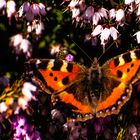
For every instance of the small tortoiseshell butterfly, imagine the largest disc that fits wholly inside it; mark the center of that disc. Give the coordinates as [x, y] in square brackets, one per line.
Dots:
[99, 91]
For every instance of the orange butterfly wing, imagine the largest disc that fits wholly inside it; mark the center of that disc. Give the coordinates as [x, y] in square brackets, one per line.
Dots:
[74, 85]
[58, 76]
[122, 71]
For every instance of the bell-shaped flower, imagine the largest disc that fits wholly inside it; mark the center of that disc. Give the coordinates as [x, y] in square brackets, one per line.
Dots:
[103, 12]
[105, 34]
[42, 9]
[35, 9]
[26, 48]
[114, 33]
[11, 9]
[24, 8]
[72, 4]
[75, 12]
[98, 29]
[138, 10]
[2, 4]
[95, 19]
[120, 17]
[3, 107]
[89, 13]
[112, 13]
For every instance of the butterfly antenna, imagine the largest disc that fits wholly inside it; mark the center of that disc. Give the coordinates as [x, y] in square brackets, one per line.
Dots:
[82, 50]
[106, 50]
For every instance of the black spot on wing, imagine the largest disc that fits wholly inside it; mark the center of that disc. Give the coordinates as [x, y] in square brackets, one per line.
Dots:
[137, 52]
[70, 67]
[119, 74]
[65, 80]
[127, 57]
[116, 62]
[128, 69]
[51, 74]
[57, 65]
[132, 65]
[55, 78]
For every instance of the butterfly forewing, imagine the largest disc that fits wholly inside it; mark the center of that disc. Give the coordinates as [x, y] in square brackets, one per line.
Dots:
[56, 74]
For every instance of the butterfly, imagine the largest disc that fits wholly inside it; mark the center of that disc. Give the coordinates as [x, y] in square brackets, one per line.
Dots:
[96, 91]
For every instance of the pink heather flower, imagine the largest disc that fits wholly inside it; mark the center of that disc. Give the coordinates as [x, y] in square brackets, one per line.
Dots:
[120, 16]
[137, 34]
[89, 13]
[31, 11]
[30, 15]
[23, 102]
[131, 132]
[39, 28]
[138, 10]
[11, 9]
[131, 7]
[98, 29]
[22, 130]
[113, 33]
[25, 47]
[104, 36]
[16, 40]
[72, 4]
[127, 2]
[42, 9]
[69, 57]
[3, 107]
[95, 19]
[112, 13]
[35, 9]
[24, 8]
[20, 44]
[36, 25]
[2, 4]
[103, 12]
[27, 90]
[75, 12]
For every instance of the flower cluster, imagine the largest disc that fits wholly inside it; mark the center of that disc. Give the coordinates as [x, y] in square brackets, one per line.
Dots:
[104, 22]
[12, 100]
[9, 8]
[31, 11]
[20, 45]
[33, 14]
[23, 130]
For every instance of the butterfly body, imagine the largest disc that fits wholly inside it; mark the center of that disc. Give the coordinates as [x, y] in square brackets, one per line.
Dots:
[100, 90]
